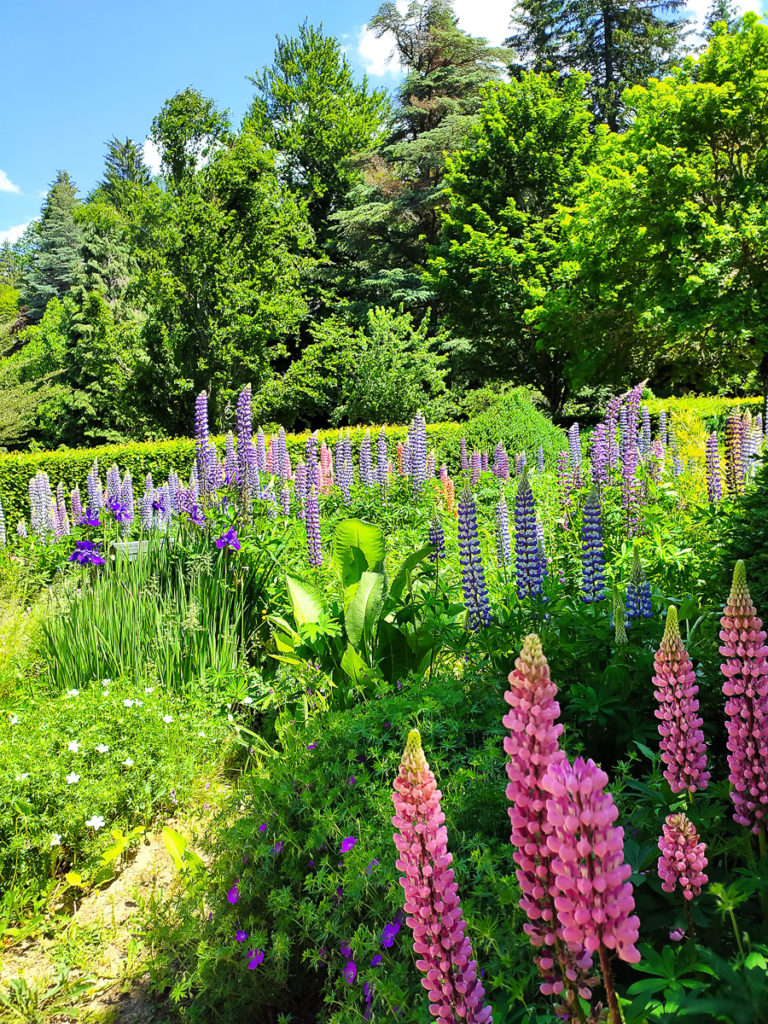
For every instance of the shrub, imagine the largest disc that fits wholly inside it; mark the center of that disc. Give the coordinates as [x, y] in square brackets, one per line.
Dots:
[514, 420]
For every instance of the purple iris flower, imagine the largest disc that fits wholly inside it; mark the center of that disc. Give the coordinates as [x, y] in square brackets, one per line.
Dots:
[350, 971]
[90, 519]
[376, 960]
[388, 934]
[347, 844]
[118, 510]
[87, 553]
[196, 515]
[228, 539]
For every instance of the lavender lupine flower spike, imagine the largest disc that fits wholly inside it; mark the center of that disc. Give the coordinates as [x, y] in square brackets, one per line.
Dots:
[503, 542]
[714, 476]
[734, 460]
[417, 451]
[382, 462]
[501, 462]
[663, 437]
[593, 556]
[312, 522]
[300, 489]
[472, 574]
[463, 451]
[528, 558]
[574, 446]
[645, 431]
[598, 455]
[2, 525]
[365, 460]
[201, 440]
[436, 539]
[244, 436]
[342, 478]
[76, 506]
[540, 458]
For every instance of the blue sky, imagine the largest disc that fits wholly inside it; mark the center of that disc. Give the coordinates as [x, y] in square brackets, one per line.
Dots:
[83, 71]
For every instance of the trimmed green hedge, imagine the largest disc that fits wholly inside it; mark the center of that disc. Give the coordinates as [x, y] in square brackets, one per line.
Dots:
[513, 420]
[706, 406]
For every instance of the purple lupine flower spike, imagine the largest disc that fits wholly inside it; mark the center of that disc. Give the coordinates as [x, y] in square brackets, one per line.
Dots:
[126, 499]
[312, 522]
[310, 456]
[503, 541]
[464, 459]
[285, 502]
[593, 555]
[472, 573]
[663, 437]
[574, 446]
[2, 526]
[529, 562]
[382, 462]
[230, 461]
[342, 479]
[734, 454]
[113, 483]
[645, 432]
[244, 437]
[417, 453]
[201, 440]
[638, 591]
[476, 467]
[599, 455]
[436, 538]
[76, 506]
[365, 461]
[714, 477]
[501, 462]
[540, 458]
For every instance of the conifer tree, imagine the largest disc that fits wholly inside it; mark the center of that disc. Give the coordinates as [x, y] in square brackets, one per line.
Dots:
[395, 212]
[55, 262]
[619, 43]
[124, 168]
[721, 10]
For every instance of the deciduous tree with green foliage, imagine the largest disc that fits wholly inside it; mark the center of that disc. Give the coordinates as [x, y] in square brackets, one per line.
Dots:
[498, 255]
[666, 248]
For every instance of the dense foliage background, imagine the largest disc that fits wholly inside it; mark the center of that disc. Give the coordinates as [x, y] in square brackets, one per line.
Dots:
[583, 206]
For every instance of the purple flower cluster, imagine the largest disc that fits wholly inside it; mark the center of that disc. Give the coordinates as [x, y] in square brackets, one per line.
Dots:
[501, 462]
[86, 553]
[365, 460]
[472, 573]
[593, 555]
[344, 467]
[714, 477]
[382, 461]
[598, 455]
[436, 538]
[417, 453]
[529, 559]
[201, 440]
[503, 540]
[638, 591]
[312, 523]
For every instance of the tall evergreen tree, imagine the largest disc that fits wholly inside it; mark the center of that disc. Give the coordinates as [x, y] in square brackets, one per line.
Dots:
[124, 168]
[619, 43]
[309, 109]
[721, 10]
[55, 262]
[394, 214]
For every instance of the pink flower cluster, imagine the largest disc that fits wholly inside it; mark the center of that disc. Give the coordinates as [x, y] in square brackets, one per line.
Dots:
[592, 895]
[746, 689]
[682, 742]
[532, 746]
[682, 859]
[325, 469]
[431, 895]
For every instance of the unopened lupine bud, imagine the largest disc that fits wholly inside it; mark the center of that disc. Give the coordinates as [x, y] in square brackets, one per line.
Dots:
[683, 750]
[432, 903]
[734, 456]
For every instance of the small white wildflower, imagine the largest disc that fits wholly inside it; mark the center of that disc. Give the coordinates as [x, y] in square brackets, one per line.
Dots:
[72, 778]
[96, 822]
[105, 682]
[128, 762]
[73, 693]
[13, 719]
[74, 746]
[127, 703]
[55, 840]
[22, 776]
[139, 703]
[247, 700]
[167, 719]
[201, 734]
[105, 693]
[149, 689]
[102, 748]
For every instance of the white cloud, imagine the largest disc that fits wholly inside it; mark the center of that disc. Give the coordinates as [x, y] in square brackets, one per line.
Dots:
[14, 234]
[697, 9]
[6, 185]
[151, 155]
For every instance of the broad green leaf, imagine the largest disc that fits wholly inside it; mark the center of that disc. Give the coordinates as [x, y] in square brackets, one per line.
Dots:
[364, 608]
[354, 667]
[306, 600]
[176, 846]
[400, 582]
[357, 546]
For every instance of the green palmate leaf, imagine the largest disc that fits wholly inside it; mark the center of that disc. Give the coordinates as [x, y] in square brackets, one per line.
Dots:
[357, 546]
[364, 608]
[306, 600]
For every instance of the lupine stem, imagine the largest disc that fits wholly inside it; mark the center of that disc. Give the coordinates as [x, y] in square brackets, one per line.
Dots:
[610, 992]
